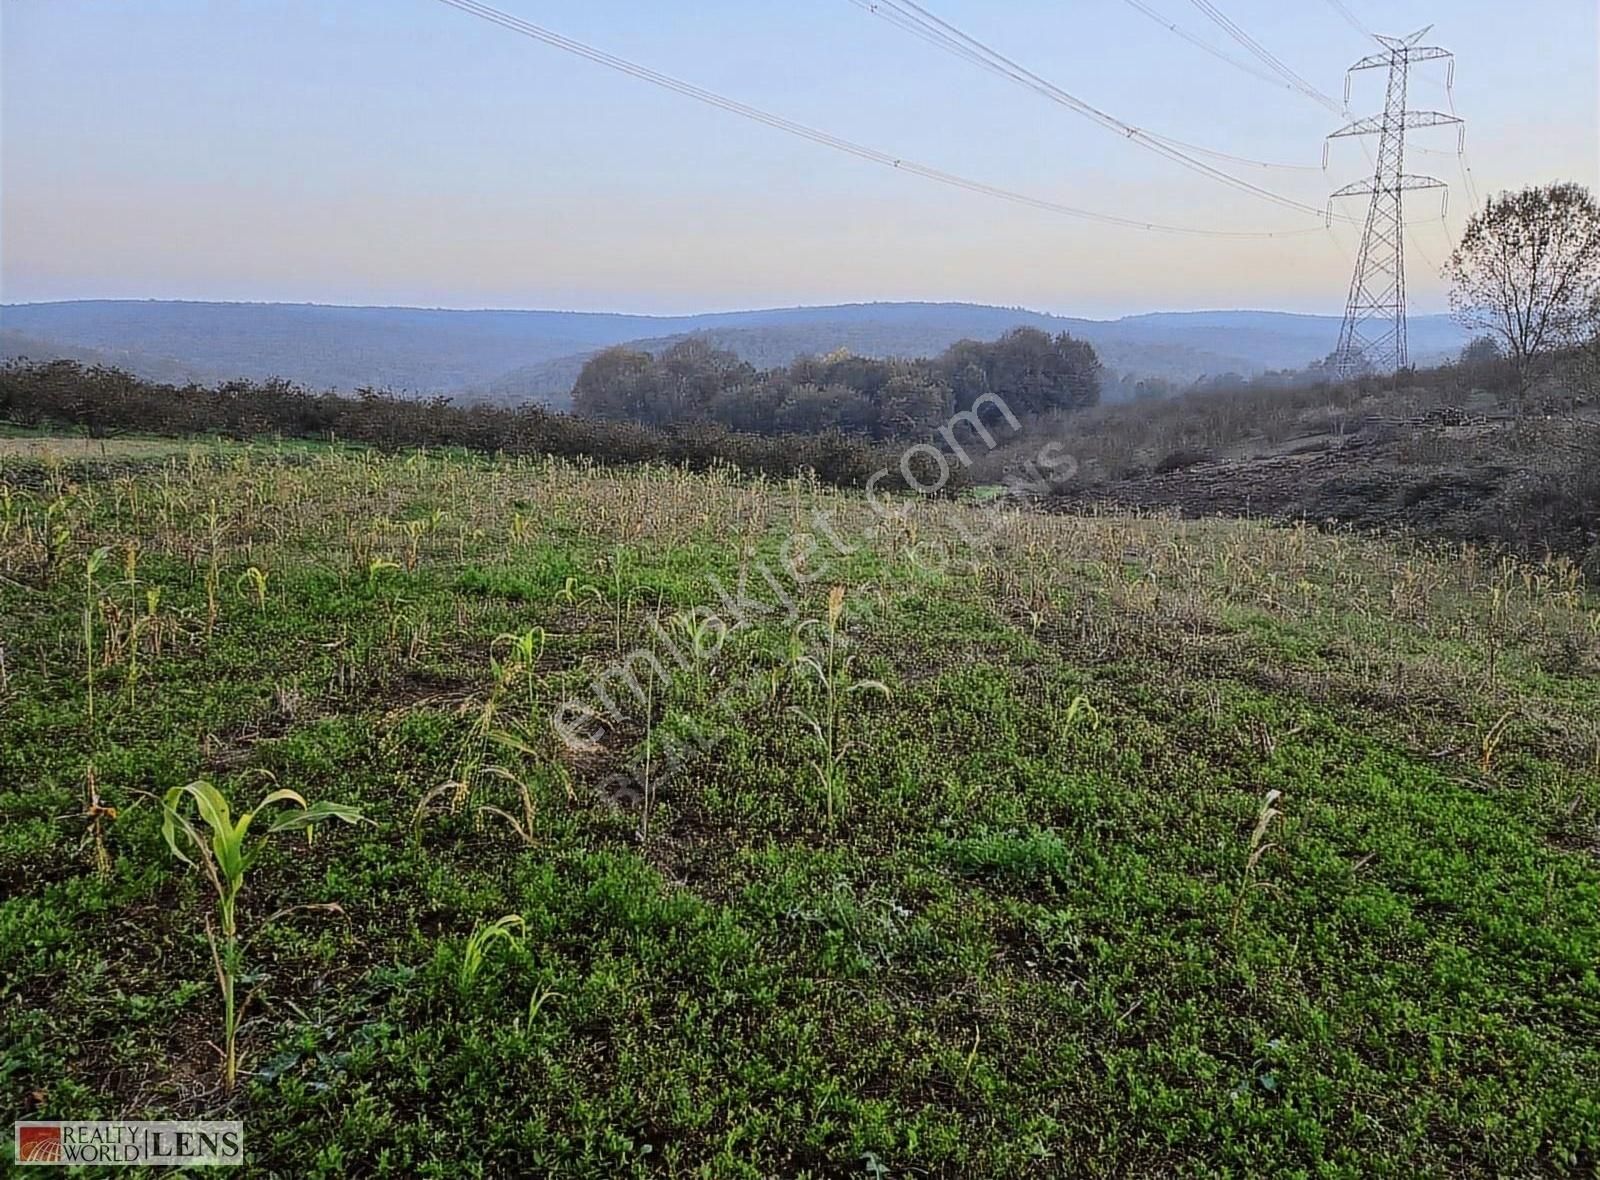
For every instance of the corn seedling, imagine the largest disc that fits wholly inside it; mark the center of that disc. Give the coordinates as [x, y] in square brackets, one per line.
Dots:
[91, 566]
[136, 629]
[704, 632]
[1489, 745]
[523, 653]
[540, 997]
[470, 761]
[1257, 847]
[832, 676]
[225, 859]
[475, 954]
[256, 579]
[375, 567]
[1080, 712]
[572, 590]
[523, 827]
[649, 755]
[788, 667]
[415, 530]
[57, 537]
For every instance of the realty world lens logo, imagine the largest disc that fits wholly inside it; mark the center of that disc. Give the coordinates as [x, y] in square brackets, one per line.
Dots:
[170, 1144]
[38, 1144]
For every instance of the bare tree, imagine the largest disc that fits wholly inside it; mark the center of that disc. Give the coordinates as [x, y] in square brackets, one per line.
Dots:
[1527, 272]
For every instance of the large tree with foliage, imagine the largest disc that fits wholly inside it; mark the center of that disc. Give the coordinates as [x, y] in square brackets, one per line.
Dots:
[1033, 371]
[1527, 272]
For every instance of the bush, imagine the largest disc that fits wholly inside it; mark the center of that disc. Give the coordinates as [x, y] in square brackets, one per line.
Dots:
[107, 401]
[1182, 459]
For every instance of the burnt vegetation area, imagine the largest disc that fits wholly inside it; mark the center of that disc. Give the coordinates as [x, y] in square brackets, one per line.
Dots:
[1476, 451]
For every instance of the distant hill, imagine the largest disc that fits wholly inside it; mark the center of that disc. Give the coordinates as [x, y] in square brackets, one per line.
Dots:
[17, 345]
[522, 355]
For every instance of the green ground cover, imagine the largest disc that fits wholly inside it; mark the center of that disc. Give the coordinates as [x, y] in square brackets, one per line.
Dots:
[1166, 847]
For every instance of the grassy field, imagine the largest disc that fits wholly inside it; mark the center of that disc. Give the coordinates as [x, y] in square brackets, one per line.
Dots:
[1158, 847]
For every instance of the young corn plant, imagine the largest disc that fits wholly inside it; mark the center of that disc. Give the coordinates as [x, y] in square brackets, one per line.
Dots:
[91, 567]
[1257, 847]
[223, 854]
[256, 579]
[704, 633]
[1489, 744]
[1080, 712]
[524, 650]
[523, 827]
[523, 653]
[136, 632]
[213, 522]
[56, 531]
[572, 591]
[788, 668]
[483, 937]
[649, 803]
[835, 686]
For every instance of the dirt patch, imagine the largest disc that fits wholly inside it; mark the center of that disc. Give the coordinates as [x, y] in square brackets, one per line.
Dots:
[1368, 483]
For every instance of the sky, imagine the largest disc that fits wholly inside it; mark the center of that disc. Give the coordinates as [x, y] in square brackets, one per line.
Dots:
[403, 152]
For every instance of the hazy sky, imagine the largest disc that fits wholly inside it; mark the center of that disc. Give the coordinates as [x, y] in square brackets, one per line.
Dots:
[403, 152]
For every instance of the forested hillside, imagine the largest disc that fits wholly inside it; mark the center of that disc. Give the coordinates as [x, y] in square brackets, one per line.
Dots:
[513, 356]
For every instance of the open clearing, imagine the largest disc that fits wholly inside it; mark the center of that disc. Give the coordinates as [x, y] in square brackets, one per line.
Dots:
[1050, 930]
[50, 449]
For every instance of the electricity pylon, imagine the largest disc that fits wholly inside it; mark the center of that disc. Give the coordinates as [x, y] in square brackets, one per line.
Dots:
[1374, 332]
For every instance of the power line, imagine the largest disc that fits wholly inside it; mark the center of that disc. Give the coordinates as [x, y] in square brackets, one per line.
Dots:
[907, 14]
[688, 90]
[1467, 179]
[1242, 161]
[1221, 20]
[1201, 43]
[1343, 10]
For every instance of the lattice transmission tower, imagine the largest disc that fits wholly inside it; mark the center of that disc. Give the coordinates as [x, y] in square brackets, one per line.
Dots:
[1373, 337]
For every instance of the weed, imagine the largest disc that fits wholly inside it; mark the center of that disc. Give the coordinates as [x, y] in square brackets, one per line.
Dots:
[97, 813]
[1255, 848]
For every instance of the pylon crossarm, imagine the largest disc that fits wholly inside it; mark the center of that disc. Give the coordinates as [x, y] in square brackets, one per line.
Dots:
[1407, 183]
[1412, 56]
[1408, 120]
[1375, 61]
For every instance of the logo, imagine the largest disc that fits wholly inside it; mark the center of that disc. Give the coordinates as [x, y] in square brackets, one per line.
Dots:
[38, 1144]
[137, 1143]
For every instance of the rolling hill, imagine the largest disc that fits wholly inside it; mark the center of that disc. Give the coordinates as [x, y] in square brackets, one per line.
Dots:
[511, 356]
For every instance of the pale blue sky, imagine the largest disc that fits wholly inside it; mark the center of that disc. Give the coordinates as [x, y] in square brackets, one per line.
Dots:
[402, 152]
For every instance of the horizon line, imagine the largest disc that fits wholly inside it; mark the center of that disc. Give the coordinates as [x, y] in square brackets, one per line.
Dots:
[728, 311]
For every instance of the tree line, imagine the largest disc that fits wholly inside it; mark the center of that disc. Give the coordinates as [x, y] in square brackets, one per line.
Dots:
[106, 401]
[883, 400]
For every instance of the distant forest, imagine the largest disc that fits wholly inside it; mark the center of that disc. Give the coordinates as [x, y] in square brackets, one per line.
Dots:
[692, 382]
